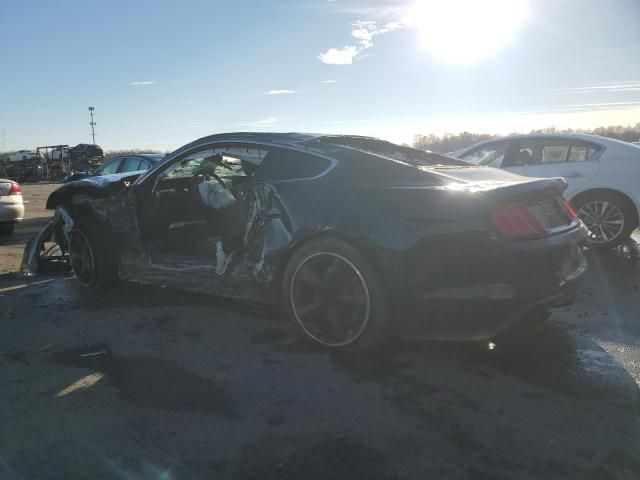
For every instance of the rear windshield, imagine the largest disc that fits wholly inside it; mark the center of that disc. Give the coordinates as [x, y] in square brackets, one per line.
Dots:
[412, 156]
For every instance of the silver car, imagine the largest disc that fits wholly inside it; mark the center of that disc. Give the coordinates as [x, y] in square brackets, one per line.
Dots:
[11, 205]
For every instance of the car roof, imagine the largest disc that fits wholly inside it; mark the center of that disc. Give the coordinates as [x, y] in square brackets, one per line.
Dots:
[604, 141]
[307, 141]
[290, 139]
[285, 139]
[299, 140]
[153, 157]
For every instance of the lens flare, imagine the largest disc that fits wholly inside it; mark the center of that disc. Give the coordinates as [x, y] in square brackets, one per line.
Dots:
[466, 31]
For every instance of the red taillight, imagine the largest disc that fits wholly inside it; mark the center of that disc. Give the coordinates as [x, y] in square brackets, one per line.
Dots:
[515, 220]
[15, 189]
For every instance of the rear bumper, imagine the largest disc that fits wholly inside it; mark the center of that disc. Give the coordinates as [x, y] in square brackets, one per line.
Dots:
[11, 212]
[482, 312]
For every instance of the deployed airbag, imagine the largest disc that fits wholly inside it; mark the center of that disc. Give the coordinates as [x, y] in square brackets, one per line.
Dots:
[215, 195]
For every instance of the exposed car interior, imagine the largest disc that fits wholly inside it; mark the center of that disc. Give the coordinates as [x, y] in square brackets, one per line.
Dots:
[196, 198]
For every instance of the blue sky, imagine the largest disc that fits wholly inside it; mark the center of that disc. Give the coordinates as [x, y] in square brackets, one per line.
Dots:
[162, 73]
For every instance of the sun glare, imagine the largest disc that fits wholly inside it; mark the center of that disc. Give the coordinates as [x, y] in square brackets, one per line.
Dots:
[466, 31]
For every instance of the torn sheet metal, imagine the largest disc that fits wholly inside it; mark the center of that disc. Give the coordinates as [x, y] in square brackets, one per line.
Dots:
[265, 231]
[31, 257]
[57, 230]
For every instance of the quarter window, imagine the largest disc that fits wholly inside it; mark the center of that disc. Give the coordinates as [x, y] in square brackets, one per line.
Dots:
[561, 151]
[284, 164]
[581, 152]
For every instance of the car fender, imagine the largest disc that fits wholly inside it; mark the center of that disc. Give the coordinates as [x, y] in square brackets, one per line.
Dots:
[56, 230]
[633, 197]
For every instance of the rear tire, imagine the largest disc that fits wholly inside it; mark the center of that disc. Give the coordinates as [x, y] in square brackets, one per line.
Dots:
[93, 260]
[335, 298]
[609, 216]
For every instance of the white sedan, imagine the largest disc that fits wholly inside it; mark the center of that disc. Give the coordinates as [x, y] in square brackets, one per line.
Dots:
[11, 206]
[603, 176]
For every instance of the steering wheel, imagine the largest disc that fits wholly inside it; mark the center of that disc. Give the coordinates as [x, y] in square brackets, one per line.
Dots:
[198, 178]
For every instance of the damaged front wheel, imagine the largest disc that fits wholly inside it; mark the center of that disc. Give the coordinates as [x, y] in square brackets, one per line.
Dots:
[91, 257]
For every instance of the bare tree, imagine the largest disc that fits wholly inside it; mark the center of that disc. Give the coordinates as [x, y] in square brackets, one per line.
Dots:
[133, 151]
[450, 142]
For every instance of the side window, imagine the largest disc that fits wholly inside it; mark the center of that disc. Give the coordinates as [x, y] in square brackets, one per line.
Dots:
[108, 168]
[190, 165]
[490, 155]
[284, 164]
[581, 151]
[527, 153]
[231, 161]
[131, 164]
[555, 151]
[144, 165]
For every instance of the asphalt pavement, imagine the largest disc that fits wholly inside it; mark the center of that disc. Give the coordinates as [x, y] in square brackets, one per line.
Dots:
[146, 383]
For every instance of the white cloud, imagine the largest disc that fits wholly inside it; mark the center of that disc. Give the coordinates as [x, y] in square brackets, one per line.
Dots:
[364, 32]
[342, 56]
[281, 91]
[138, 83]
[328, 81]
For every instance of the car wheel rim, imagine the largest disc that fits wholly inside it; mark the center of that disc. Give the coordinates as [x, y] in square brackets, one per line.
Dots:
[330, 299]
[82, 258]
[604, 220]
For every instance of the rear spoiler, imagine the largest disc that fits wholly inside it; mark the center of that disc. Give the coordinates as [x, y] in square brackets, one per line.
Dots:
[531, 188]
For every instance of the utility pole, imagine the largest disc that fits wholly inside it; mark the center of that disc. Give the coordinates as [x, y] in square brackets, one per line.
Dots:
[93, 124]
[3, 146]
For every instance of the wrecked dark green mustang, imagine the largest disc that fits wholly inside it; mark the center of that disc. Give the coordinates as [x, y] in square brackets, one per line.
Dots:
[358, 238]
